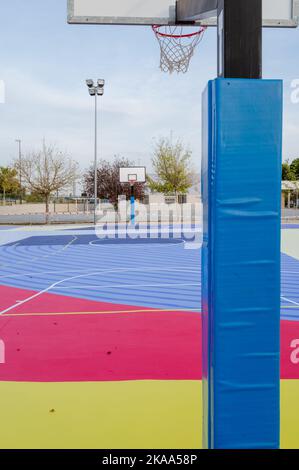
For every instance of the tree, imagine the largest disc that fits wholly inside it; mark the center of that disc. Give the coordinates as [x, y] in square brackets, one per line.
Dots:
[294, 167]
[172, 168]
[8, 181]
[47, 171]
[109, 186]
[287, 173]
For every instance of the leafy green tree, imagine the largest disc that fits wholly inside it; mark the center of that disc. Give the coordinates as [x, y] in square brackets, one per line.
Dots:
[294, 166]
[172, 168]
[9, 183]
[287, 172]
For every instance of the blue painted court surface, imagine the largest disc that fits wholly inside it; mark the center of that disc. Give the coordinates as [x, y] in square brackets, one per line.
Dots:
[157, 273]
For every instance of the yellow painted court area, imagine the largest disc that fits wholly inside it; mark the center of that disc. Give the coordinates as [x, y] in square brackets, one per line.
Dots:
[289, 414]
[137, 414]
[141, 414]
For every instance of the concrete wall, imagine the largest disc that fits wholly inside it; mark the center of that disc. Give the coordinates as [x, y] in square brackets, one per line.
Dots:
[27, 209]
[64, 213]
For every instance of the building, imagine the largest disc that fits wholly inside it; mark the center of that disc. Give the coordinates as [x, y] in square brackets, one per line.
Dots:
[290, 194]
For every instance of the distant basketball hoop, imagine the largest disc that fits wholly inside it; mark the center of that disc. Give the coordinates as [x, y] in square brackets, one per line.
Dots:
[132, 179]
[132, 175]
[177, 46]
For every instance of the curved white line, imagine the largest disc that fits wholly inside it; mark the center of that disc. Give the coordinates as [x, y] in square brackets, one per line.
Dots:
[36, 258]
[57, 283]
[151, 245]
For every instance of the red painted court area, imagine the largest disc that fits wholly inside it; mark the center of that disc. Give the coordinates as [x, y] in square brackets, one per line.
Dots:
[54, 338]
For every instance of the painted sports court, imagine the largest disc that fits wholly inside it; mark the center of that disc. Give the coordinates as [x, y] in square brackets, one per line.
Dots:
[100, 340]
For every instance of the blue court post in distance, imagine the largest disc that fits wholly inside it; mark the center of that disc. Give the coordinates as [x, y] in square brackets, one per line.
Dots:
[132, 176]
[241, 186]
[132, 205]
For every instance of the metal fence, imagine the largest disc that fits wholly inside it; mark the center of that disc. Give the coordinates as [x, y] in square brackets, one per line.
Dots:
[82, 211]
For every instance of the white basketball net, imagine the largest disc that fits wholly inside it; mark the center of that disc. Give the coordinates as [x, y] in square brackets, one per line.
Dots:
[177, 47]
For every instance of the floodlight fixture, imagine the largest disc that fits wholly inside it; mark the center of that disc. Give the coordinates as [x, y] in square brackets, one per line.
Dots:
[90, 83]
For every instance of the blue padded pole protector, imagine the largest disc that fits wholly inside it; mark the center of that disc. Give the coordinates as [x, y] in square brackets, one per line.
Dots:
[132, 203]
[241, 186]
[132, 210]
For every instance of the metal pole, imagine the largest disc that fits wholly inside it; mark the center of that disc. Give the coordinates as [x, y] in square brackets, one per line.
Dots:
[95, 160]
[95, 90]
[240, 39]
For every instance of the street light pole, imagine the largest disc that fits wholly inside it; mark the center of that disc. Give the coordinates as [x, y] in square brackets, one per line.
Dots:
[95, 157]
[96, 90]
[20, 164]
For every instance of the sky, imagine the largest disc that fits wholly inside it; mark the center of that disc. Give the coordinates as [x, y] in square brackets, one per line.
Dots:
[44, 63]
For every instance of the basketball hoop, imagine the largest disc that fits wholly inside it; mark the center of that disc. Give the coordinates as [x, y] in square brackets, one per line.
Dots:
[132, 179]
[177, 48]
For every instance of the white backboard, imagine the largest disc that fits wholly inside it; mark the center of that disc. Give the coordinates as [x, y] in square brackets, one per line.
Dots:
[276, 13]
[132, 174]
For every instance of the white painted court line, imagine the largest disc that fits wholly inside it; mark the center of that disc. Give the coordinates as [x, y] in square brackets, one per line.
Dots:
[36, 258]
[87, 271]
[57, 283]
[101, 243]
[291, 301]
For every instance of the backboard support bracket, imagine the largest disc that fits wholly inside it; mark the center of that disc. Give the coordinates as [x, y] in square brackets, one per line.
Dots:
[204, 12]
[196, 10]
[239, 33]
[240, 39]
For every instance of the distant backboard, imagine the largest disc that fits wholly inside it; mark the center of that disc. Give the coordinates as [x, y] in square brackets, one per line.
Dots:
[276, 13]
[132, 175]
